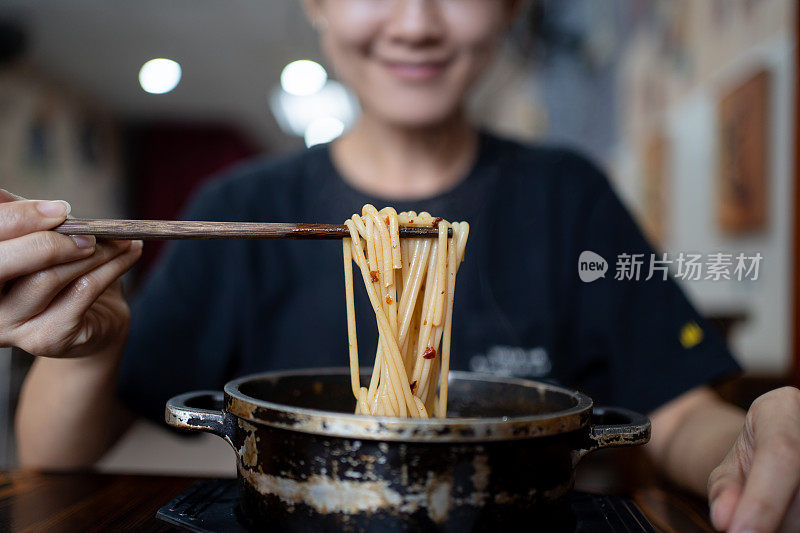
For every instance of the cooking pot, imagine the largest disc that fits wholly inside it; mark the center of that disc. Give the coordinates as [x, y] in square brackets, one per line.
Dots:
[504, 457]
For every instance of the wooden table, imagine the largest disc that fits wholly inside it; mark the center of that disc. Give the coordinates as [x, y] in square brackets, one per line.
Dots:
[628, 472]
[35, 502]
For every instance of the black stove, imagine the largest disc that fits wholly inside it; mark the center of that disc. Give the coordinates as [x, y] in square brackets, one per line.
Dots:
[212, 506]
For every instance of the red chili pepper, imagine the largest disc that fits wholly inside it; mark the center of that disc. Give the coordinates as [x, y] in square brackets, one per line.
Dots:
[429, 353]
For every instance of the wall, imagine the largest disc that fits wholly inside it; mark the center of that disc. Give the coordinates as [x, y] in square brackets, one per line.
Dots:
[58, 144]
[637, 86]
[54, 144]
[685, 111]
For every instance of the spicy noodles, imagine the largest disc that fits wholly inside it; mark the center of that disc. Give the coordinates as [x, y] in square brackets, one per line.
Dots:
[410, 283]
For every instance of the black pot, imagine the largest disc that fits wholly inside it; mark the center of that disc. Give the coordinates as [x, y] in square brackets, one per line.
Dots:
[505, 457]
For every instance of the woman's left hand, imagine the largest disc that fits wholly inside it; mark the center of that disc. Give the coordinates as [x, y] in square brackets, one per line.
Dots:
[755, 488]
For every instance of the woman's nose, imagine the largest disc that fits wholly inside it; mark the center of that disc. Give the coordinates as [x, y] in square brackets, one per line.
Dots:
[416, 22]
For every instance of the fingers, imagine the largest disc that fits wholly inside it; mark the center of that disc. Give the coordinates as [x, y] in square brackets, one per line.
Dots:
[774, 473]
[79, 295]
[724, 490]
[19, 218]
[770, 487]
[791, 522]
[40, 250]
[6, 196]
[30, 295]
[65, 322]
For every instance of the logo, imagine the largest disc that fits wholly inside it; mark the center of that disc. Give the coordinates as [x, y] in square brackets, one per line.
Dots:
[691, 334]
[591, 266]
[512, 361]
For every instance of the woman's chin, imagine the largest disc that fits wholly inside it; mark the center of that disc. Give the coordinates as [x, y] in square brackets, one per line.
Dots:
[417, 117]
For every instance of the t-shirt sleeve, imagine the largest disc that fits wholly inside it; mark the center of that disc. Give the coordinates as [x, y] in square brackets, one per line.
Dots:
[183, 321]
[650, 340]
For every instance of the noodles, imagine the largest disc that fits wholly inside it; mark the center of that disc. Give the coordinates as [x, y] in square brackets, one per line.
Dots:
[410, 284]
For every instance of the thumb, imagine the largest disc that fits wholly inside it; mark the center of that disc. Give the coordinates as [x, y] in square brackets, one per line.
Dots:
[725, 485]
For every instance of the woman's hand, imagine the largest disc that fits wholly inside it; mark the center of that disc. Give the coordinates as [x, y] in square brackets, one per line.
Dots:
[59, 295]
[755, 488]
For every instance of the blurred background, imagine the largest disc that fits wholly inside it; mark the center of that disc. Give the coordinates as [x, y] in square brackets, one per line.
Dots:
[690, 106]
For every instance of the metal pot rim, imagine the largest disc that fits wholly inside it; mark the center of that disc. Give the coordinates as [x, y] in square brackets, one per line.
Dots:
[347, 425]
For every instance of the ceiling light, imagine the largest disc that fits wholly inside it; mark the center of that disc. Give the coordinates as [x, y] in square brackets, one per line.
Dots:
[159, 76]
[294, 113]
[303, 77]
[323, 130]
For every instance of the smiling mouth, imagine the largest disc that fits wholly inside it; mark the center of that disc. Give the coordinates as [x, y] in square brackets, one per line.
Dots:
[416, 71]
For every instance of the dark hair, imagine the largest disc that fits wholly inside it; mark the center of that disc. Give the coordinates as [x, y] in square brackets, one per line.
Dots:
[12, 41]
[540, 33]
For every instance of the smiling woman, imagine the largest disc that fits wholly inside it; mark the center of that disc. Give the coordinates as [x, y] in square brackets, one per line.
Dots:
[411, 64]
[412, 70]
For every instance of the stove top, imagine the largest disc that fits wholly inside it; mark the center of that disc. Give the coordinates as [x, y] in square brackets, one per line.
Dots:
[212, 505]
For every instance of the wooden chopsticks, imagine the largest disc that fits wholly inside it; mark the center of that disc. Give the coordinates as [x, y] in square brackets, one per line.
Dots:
[183, 230]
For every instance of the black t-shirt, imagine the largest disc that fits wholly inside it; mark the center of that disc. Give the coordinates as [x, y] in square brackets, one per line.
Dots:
[215, 310]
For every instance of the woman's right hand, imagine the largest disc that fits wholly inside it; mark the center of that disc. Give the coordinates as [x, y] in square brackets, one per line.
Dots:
[60, 296]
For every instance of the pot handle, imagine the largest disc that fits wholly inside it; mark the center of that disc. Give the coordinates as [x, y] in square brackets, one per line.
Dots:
[615, 426]
[199, 410]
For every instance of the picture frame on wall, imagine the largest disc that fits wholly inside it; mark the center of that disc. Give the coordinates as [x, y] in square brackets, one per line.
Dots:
[656, 188]
[743, 133]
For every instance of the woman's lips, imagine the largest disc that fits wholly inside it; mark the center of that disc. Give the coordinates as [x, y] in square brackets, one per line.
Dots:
[416, 71]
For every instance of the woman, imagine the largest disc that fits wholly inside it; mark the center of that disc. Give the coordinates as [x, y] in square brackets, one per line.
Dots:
[214, 310]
